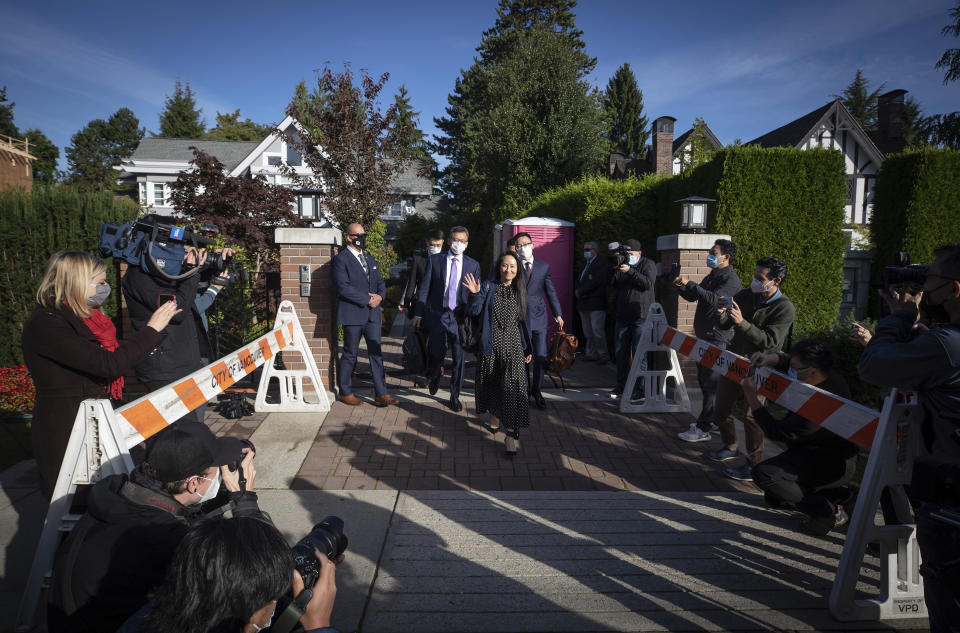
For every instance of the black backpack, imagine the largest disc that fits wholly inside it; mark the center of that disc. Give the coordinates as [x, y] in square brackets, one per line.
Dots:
[414, 350]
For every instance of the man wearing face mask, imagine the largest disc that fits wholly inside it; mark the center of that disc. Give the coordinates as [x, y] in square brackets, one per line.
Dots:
[418, 266]
[929, 364]
[591, 294]
[441, 305]
[721, 282]
[360, 290]
[536, 272]
[633, 284]
[120, 549]
[761, 318]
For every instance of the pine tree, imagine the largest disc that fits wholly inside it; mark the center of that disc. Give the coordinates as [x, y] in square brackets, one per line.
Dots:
[627, 127]
[407, 123]
[181, 117]
[230, 128]
[521, 119]
[7, 127]
[860, 101]
[95, 149]
[950, 61]
[46, 155]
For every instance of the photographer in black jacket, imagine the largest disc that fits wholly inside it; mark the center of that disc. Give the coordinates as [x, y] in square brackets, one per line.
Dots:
[929, 364]
[120, 549]
[632, 282]
[722, 281]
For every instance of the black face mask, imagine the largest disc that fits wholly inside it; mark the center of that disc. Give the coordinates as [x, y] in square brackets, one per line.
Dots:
[937, 314]
[359, 240]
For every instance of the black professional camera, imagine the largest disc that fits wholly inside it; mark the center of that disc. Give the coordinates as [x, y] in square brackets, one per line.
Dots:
[903, 274]
[327, 537]
[621, 256]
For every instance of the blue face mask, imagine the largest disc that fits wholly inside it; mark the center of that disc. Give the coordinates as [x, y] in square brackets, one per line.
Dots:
[712, 261]
[633, 260]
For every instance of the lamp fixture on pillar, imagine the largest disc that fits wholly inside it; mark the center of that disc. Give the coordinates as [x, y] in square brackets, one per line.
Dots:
[693, 213]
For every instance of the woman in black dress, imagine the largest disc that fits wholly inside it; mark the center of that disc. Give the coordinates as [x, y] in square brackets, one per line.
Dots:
[501, 385]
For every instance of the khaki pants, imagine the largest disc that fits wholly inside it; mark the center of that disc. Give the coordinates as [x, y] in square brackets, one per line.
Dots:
[728, 393]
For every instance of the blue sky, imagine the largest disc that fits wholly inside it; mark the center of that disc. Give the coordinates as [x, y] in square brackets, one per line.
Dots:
[745, 67]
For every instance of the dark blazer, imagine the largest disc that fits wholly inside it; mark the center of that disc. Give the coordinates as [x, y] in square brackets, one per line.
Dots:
[591, 285]
[539, 283]
[415, 272]
[353, 288]
[634, 291]
[482, 303]
[721, 282]
[432, 288]
[68, 365]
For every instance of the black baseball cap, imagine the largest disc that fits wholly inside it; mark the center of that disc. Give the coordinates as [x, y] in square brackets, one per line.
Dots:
[632, 245]
[189, 448]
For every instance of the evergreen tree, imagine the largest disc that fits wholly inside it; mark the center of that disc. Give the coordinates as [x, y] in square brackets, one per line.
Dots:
[700, 150]
[521, 119]
[307, 102]
[181, 117]
[626, 126]
[95, 149]
[950, 61]
[7, 128]
[230, 128]
[46, 155]
[407, 120]
[860, 101]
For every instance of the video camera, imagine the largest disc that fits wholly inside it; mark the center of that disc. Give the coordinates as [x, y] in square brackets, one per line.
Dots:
[159, 249]
[903, 274]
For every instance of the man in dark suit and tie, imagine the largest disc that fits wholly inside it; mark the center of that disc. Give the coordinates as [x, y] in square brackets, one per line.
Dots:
[360, 290]
[591, 294]
[537, 274]
[440, 305]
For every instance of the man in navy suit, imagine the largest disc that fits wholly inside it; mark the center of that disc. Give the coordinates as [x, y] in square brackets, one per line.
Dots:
[537, 274]
[441, 302]
[360, 290]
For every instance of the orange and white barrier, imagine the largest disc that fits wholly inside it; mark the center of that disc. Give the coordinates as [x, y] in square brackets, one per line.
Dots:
[846, 418]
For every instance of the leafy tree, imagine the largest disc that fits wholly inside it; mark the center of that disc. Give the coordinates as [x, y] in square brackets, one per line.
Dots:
[246, 209]
[95, 149]
[46, 155]
[701, 150]
[352, 148]
[626, 126]
[950, 61]
[7, 126]
[942, 130]
[408, 119]
[230, 128]
[860, 101]
[521, 119]
[181, 117]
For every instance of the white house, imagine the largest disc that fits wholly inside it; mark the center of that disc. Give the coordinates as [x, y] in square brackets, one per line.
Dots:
[155, 164]
[665, 155]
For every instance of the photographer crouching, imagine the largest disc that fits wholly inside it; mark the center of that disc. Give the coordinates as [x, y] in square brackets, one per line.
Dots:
[929, 364]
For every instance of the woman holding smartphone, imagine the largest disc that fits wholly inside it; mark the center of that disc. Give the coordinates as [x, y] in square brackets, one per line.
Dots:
[72, 352]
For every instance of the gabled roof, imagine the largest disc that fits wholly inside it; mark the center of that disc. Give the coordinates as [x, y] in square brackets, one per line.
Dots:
[681, 140]
[230, 153]
[260, 148]
[409, 181]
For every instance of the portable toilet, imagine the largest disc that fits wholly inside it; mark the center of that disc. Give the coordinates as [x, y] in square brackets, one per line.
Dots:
[552, 243]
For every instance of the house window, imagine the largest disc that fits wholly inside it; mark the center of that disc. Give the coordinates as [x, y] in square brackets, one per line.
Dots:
[158, 197]
[273, 160]
[851, 189]
[143, 193]
[849, 286]
[293, 156]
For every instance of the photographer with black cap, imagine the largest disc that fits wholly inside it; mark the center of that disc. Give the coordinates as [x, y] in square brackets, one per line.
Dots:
[121, 547]
[633, 280]
[929, 364]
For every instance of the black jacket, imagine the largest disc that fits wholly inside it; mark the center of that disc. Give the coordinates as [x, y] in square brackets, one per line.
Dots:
[591, 286]
[634, 291]
[418, 265]
[721, 282]
[119, 552]
[179, 355]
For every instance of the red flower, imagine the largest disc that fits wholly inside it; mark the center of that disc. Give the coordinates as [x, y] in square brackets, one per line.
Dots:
[17, 393]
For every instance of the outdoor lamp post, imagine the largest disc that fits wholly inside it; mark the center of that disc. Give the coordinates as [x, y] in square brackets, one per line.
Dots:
[693, 213]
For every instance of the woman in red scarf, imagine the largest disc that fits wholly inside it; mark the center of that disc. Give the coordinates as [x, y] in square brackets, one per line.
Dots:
[72, 352]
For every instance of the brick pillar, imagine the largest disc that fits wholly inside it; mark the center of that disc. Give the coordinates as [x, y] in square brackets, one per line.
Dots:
[690, 251]
[314, 248]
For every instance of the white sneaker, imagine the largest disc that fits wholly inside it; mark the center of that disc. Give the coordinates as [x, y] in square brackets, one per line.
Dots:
[694, 434]
[714, 428]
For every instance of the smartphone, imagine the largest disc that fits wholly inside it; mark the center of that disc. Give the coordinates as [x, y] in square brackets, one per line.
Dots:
[162, 299]
[726, 302]
[674, 271]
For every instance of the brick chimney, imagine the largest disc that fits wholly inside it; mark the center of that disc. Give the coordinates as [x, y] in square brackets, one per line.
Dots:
[662, 149]
[890, 111]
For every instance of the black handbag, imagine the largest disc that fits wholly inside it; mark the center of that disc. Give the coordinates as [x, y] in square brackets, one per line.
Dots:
[470, 329]
[414, 350]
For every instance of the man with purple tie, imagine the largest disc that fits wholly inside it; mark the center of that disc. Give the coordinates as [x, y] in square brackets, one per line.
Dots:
[440, 305]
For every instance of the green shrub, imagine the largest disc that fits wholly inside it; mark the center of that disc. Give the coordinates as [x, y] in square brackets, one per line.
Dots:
[916, 205]
[846, 354]
[33, 226]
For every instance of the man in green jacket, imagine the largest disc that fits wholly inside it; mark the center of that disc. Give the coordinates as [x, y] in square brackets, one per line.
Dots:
[762, 320]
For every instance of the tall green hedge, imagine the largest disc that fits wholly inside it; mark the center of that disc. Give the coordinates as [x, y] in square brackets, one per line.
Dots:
[916, 205]
[782, 202]
[35, 225]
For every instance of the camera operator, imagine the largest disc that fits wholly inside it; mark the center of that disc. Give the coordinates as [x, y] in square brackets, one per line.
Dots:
[929, 364]
[187, 344]
[811, 475]
[242, 567]
[120, 549]
[633, 279]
